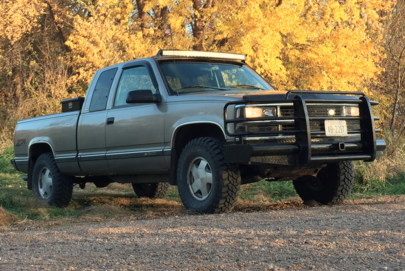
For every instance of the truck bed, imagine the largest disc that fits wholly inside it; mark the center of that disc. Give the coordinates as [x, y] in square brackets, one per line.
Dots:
[57, 129]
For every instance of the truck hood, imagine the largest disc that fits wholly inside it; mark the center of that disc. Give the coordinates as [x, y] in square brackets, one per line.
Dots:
[235, 93]
[241, 94]
[260, 95]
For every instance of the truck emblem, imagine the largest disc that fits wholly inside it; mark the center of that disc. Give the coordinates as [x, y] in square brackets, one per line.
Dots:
[20, 142]
[70, 105]
[331, 112]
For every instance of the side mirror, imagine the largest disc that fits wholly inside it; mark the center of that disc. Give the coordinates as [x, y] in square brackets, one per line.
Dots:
[143, 96]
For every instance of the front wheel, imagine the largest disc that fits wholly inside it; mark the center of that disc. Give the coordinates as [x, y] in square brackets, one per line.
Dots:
[49, 184]
[206, 183]
[331, 186]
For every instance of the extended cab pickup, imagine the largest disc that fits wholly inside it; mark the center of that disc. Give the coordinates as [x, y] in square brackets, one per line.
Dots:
[202, 121]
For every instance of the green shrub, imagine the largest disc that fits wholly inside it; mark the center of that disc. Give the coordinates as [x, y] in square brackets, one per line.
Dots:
[5, 157]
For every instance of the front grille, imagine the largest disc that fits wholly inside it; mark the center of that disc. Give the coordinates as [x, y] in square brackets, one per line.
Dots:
[286, 111]
[322, 110]
[319, 111]
[314, 110]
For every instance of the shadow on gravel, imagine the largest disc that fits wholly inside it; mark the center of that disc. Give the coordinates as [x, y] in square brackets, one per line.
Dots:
[119, 202]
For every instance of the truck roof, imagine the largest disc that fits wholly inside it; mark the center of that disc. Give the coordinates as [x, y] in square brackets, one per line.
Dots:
[164, 54]
[178, 54]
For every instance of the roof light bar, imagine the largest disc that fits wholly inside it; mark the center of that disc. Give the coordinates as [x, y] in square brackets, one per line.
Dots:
[202, 54]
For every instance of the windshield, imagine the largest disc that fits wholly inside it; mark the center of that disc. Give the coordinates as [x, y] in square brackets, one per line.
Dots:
[186, 76]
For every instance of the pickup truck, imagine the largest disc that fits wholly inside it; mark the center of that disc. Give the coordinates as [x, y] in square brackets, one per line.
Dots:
[203, 121]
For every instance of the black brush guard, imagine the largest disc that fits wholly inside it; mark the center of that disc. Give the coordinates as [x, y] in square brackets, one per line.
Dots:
[307, 152]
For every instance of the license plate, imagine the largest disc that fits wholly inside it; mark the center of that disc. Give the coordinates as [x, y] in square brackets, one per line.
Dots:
[335, 128]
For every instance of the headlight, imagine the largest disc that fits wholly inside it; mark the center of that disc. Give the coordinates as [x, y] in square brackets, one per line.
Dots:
[351, 111]
[260, 112]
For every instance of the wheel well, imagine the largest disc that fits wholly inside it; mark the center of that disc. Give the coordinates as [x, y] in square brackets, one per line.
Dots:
[187, 133]
[37, 149]
[34, 152]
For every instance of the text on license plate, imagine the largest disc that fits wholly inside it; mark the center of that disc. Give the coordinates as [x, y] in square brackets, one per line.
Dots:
[335, 128]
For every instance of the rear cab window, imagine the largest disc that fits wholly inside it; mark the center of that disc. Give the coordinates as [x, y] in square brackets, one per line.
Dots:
[102, 90]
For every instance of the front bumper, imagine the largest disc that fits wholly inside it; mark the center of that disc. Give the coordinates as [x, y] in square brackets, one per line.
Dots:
[326, 152]
[304, 149]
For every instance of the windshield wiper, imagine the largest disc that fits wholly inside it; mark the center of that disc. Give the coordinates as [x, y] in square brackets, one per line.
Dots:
[198, 86]
[245, 86]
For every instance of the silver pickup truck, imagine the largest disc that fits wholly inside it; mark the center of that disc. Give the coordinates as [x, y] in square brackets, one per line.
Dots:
[203, 121]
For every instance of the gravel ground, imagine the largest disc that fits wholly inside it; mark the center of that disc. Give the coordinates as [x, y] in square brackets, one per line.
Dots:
[363, 236]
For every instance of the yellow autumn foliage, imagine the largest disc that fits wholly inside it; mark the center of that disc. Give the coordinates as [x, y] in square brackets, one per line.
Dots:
[50, 49]
[295, 44]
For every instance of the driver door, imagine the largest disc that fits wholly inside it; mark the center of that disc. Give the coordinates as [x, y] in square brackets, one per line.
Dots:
[134, 132]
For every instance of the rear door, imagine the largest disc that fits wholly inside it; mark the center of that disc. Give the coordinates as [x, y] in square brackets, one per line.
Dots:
[91, 128]
[134, 134]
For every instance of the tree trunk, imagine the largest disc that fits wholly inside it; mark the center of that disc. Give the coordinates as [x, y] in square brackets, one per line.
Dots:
[200, 24]
[163, 19]
[394, 113]
[62, 35]
[142, 15]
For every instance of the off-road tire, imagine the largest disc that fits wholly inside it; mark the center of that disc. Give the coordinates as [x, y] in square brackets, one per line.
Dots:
[153, 190]
[226, 178]
[336, 179]
[62, 185]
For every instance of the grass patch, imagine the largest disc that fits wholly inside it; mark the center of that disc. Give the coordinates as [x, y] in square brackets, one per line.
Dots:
[393, 185]
[173, 194]
[63, 212]
[272, 191]
[119, 200]
[5, 165]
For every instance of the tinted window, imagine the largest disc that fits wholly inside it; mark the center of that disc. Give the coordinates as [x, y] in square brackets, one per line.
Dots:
[102, 89]
[136, 78]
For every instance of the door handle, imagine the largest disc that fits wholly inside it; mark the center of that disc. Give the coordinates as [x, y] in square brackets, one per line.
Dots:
[110, 121]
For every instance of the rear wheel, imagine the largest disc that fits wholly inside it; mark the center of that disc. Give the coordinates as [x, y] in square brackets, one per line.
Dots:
[49, 184]
[102, 182]
[206, 183]
[331, 186]
[151, 190]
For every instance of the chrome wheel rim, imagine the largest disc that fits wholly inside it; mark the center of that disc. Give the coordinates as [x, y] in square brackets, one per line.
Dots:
[45, 183]
[199, 178]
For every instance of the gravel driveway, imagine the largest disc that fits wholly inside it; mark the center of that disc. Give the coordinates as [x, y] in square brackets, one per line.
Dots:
[362, 236]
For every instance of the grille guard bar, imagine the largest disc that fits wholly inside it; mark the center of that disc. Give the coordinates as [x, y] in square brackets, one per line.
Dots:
[302, 132]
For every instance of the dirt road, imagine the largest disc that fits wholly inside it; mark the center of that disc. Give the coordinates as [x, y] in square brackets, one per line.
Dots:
[362, 236]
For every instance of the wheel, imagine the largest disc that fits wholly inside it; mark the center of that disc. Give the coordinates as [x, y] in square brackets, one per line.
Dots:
[49, 184]
[151, 190]
[102, 182]
[331, 186]
[206, 183]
